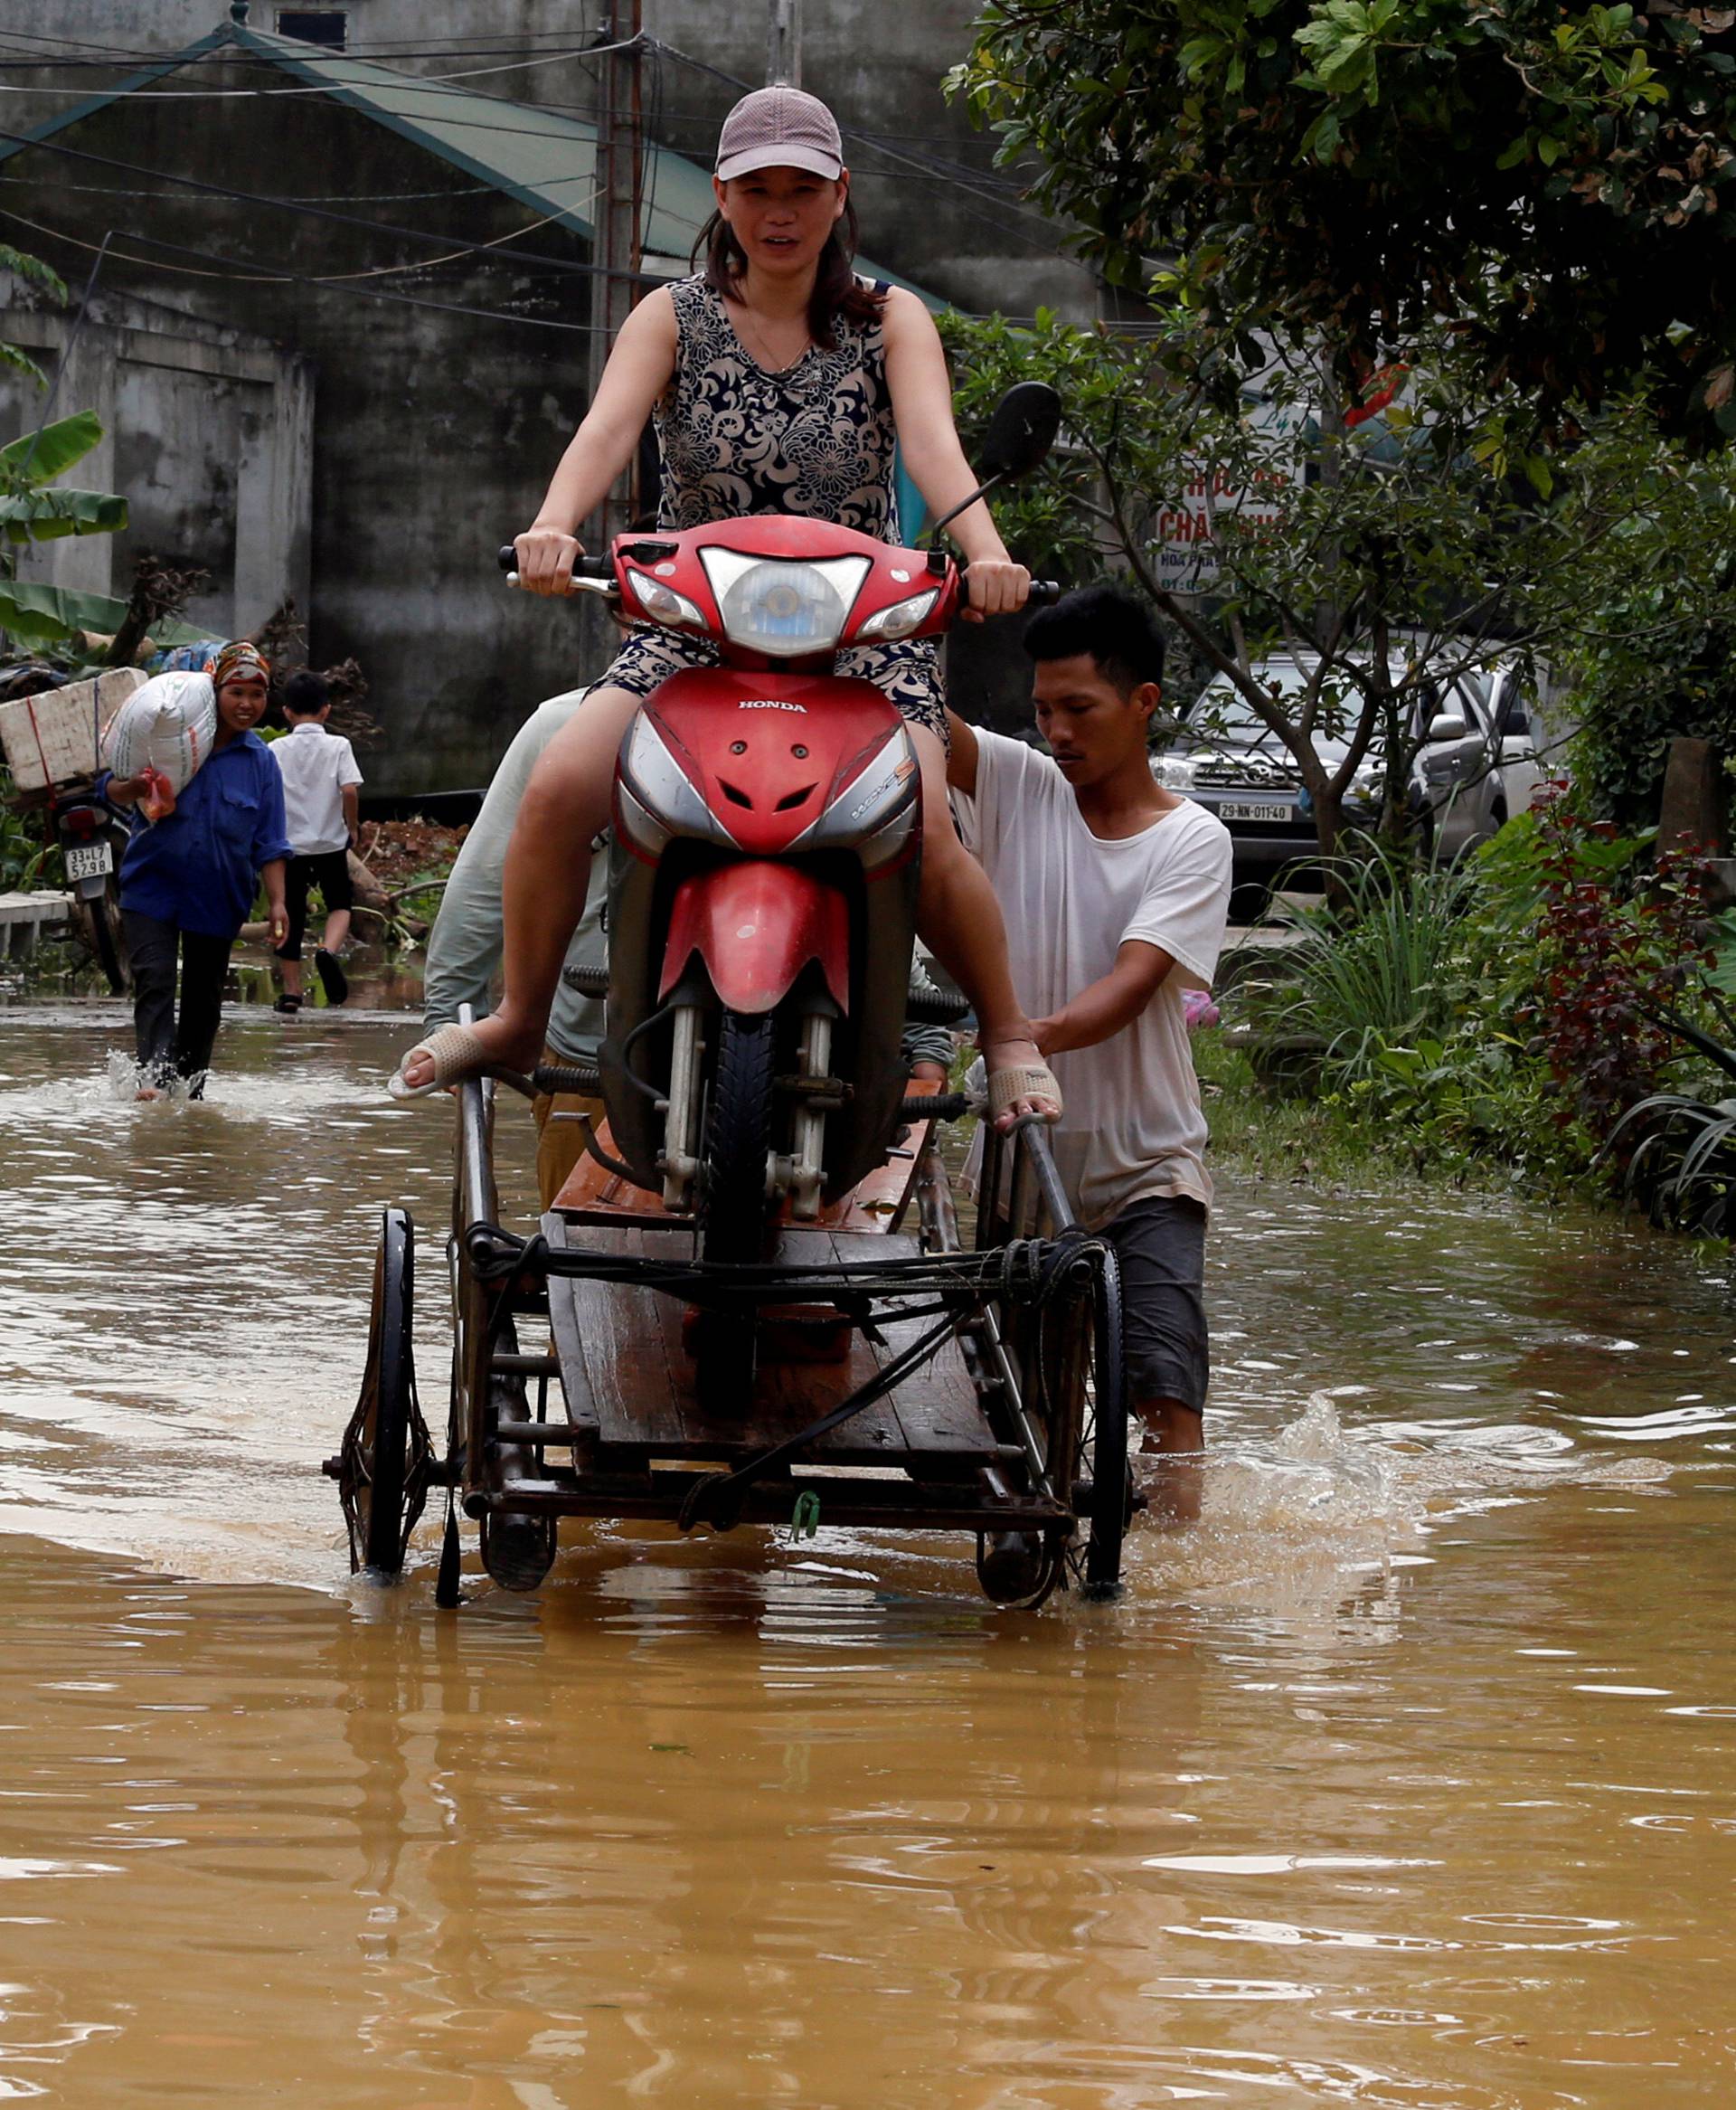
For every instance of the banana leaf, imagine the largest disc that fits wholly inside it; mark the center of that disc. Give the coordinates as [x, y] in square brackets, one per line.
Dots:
[11, 355]
[43, 457]
[51, 615]
[47, 515]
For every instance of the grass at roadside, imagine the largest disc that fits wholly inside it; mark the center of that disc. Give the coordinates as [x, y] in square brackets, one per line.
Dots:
[1307, 1139]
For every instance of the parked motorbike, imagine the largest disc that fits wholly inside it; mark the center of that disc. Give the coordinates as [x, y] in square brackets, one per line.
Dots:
[92, 838]
[766, 847]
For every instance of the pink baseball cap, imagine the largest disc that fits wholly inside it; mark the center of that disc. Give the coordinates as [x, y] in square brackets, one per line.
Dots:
[779, 128]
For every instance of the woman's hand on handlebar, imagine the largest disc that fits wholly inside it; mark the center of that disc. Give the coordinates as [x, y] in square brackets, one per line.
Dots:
[996, 586]
[546, 557]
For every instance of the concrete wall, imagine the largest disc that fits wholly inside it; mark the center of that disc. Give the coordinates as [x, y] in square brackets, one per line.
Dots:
[207, 431]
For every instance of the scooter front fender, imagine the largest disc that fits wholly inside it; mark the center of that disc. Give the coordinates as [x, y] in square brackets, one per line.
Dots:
[755, 925]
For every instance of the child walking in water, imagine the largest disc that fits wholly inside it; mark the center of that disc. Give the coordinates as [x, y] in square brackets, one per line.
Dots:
[780, 382]
[320, 777]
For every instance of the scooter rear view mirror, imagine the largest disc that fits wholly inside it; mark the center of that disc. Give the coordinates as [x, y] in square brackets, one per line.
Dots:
[1020, 432]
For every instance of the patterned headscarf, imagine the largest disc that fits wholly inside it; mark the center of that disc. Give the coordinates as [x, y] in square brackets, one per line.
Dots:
[240, 661]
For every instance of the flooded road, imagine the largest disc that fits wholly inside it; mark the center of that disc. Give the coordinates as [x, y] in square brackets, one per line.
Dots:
[1405, 1780]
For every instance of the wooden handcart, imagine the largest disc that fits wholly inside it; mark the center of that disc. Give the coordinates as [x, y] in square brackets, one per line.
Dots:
[905, 1381]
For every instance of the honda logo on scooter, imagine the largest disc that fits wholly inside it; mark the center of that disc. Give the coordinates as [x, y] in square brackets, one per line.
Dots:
[770, 704]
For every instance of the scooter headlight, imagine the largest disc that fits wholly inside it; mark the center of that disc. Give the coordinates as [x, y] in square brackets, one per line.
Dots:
[900, 619]
[663, 604]
[781, 606]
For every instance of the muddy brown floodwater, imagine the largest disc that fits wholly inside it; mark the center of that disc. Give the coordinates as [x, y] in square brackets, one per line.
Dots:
[1405, 1780]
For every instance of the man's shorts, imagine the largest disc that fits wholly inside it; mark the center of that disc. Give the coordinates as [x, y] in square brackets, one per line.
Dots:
[1160, 1242]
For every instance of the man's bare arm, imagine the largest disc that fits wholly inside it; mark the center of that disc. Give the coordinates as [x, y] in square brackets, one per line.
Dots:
[961, 759]
[1100, 1012]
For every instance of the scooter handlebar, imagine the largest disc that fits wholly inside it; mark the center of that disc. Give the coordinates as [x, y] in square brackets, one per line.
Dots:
[1040, 593]
[597, 574]
[588, 573]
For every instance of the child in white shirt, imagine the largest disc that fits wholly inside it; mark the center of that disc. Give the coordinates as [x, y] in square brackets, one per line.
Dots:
[319, 800]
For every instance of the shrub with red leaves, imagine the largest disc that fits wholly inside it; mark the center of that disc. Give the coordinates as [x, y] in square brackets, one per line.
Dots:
[1618, 947]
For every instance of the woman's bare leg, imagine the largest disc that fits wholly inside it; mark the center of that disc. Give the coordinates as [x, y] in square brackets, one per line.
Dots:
[547, 875]
[960, 921]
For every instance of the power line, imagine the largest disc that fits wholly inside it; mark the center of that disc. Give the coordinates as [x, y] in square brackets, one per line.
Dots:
[580, 54]
[338, 94]
[193, 183]
[52, 145]
[341, 97]
[706, 118]
[303, 198]
[431, 83]
[244, 273]
[432, 48]
[306, 198]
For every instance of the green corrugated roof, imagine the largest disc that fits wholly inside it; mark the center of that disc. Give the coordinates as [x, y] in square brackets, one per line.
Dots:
[544, 158]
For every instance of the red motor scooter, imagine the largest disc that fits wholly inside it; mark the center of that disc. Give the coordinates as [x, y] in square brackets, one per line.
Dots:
[763, 877]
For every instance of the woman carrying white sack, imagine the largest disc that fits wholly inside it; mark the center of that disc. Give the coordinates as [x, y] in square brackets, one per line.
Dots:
[189, 877]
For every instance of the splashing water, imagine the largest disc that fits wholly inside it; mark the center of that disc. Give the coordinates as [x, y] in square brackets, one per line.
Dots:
[1318, 1511]
[130, 1083]
[1292, 1519]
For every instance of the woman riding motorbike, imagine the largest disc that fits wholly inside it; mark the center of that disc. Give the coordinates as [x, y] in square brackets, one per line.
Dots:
[780, 382]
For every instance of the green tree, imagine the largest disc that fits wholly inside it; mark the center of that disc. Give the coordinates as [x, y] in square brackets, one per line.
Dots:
[1551, 177]
[1384, 560]
[1656, 658]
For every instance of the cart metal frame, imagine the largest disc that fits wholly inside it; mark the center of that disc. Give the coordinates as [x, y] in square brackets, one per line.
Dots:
[921, 1385]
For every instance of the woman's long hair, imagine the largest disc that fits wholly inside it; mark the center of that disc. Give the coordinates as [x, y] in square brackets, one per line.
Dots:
[838, 293]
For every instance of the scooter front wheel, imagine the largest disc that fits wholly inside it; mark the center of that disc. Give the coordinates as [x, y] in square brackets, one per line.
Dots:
[736, 1213]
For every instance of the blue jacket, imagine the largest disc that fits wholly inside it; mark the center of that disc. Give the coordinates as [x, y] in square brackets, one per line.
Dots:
[200, 868]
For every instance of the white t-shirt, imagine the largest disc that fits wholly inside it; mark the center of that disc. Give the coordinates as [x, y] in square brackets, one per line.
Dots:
[317, 765]
[1133, 1124]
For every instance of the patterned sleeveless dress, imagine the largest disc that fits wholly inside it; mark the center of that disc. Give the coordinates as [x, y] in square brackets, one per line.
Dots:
[816, 437]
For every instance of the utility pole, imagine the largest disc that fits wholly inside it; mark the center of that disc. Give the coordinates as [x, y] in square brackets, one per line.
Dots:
[784, 42]
[615, 216]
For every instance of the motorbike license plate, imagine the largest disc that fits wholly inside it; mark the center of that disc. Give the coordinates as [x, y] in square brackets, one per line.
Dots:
[89, 860]
[1255, 809]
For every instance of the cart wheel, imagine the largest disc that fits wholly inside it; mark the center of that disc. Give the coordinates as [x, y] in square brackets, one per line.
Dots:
[1019, 1570]
[737, 1217]
[385, 1480]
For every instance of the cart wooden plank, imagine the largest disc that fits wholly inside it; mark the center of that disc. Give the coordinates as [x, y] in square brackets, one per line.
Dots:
[939, 1407]
[622, 1354]
[563, 1324]
[614, 1333]
[788, 1395]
